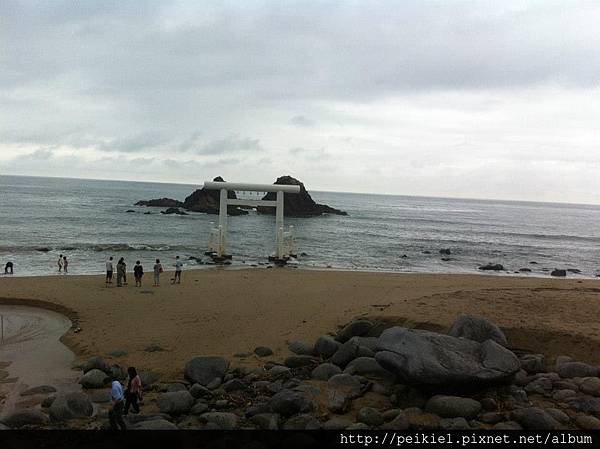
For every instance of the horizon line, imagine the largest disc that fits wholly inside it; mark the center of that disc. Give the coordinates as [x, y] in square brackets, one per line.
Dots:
[324, 191]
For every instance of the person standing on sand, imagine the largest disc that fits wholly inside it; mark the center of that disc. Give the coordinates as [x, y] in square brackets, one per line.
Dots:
[115, 414]
[133, 392]
[65, 265]
[138, 272]
[124, 271]
[120, 272]
[157, 270]
[8, 267]
[60, 263]
[178, 270]
[109, 271]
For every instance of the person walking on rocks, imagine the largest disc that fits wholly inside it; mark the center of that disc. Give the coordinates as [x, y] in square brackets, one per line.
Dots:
[158, 269]
[178, 270]
[109, 271]
[133, 392]
[138, 272]
[60, 263]
[120, 272]
[115, 414]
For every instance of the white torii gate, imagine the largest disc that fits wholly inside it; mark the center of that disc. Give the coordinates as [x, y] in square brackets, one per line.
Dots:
[218, 238]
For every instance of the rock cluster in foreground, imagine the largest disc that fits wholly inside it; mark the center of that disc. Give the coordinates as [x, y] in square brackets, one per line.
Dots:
[365, 376]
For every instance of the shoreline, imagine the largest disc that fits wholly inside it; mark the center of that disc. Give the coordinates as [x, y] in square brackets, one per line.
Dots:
[223, 311]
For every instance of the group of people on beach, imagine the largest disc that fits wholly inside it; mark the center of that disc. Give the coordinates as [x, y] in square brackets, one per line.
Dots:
[63, 264]
[123, 400]
[138, 272]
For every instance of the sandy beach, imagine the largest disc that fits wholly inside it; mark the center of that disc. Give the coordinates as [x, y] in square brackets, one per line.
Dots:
[224, 312]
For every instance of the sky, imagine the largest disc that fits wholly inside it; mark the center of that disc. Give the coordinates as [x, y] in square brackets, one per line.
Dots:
[479, 99]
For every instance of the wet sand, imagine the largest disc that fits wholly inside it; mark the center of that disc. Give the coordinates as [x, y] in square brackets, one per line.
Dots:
[31, 354]
[224, 312]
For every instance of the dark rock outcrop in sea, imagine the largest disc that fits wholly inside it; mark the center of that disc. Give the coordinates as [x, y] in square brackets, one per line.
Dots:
[173, 211]
[207, 201]
[558, 273]
[297, 205]
[160, 202]
[492, 267]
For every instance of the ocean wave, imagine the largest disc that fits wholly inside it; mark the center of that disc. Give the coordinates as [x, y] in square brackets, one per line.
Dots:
[96, 247]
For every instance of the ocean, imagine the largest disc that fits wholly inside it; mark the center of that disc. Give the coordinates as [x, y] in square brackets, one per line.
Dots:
[87, 220]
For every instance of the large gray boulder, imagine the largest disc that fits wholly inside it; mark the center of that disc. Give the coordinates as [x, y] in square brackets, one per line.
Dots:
[423, 357]
[368, 367]
[70, 406]
[22, 418]
[576, 369]
[325, 371]
[204, 370]
[94, 379]
[222, 420]
[345, 354]
[534, 418]
[176, 402]
[478, 329]
[342, 388]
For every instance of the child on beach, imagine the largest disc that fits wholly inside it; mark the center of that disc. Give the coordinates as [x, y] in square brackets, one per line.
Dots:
[157, 270]
[178, 269]
[60, 263]
[138, 272]
[109, 271]
[8, 267]
[133, 392]
[65, 265]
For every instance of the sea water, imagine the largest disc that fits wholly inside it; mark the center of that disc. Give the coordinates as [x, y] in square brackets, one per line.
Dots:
[87, 220]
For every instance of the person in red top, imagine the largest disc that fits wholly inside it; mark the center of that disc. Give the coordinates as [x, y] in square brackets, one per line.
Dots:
[133, 392]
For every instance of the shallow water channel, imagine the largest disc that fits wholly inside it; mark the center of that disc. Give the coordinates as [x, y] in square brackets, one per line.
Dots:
[31, 354]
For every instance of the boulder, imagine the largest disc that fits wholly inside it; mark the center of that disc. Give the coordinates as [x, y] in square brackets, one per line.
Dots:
[356, 328]
[160, 202]
[288, 403]
[492, 267]
[534, 418]
[266, 421]
[95, 363]
[279, 371]
[177, 386]
[234, 385]
[368, 367]
[94, 379]
[303, 421]
[173, 211]
[541, 385]
[345, 354]
[453, 407]
[576, 369]
[22, 418]
[585, 404]
[298, 361]
[478, 329]
[70, 406]
[148, 378]
[204, 370]
[297, 204]
[175, 403]
[423, 357]
[208, 201]
[155, 424]
[301, 348]
[342, 388]
[199, 408]
[454, 424]
[199, 391]
[326, 346]
[591, 386]
[336, 423]
[263, 351]
[325, 371]
[563, 395]
[223, 420]
[533, 363]
[369, 416]
[42, 389]
[587, 422]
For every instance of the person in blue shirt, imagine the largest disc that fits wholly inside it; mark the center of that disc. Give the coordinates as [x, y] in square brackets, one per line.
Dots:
[115, 415]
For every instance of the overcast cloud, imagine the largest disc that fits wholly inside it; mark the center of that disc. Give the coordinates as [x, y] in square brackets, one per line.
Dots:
[480, 99]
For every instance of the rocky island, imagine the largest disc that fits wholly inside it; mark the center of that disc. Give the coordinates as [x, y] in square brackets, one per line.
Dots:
[207, 201]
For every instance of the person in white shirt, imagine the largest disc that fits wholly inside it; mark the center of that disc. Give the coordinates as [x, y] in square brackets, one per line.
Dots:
[109, 271]
[178, 270]
[115, 415]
